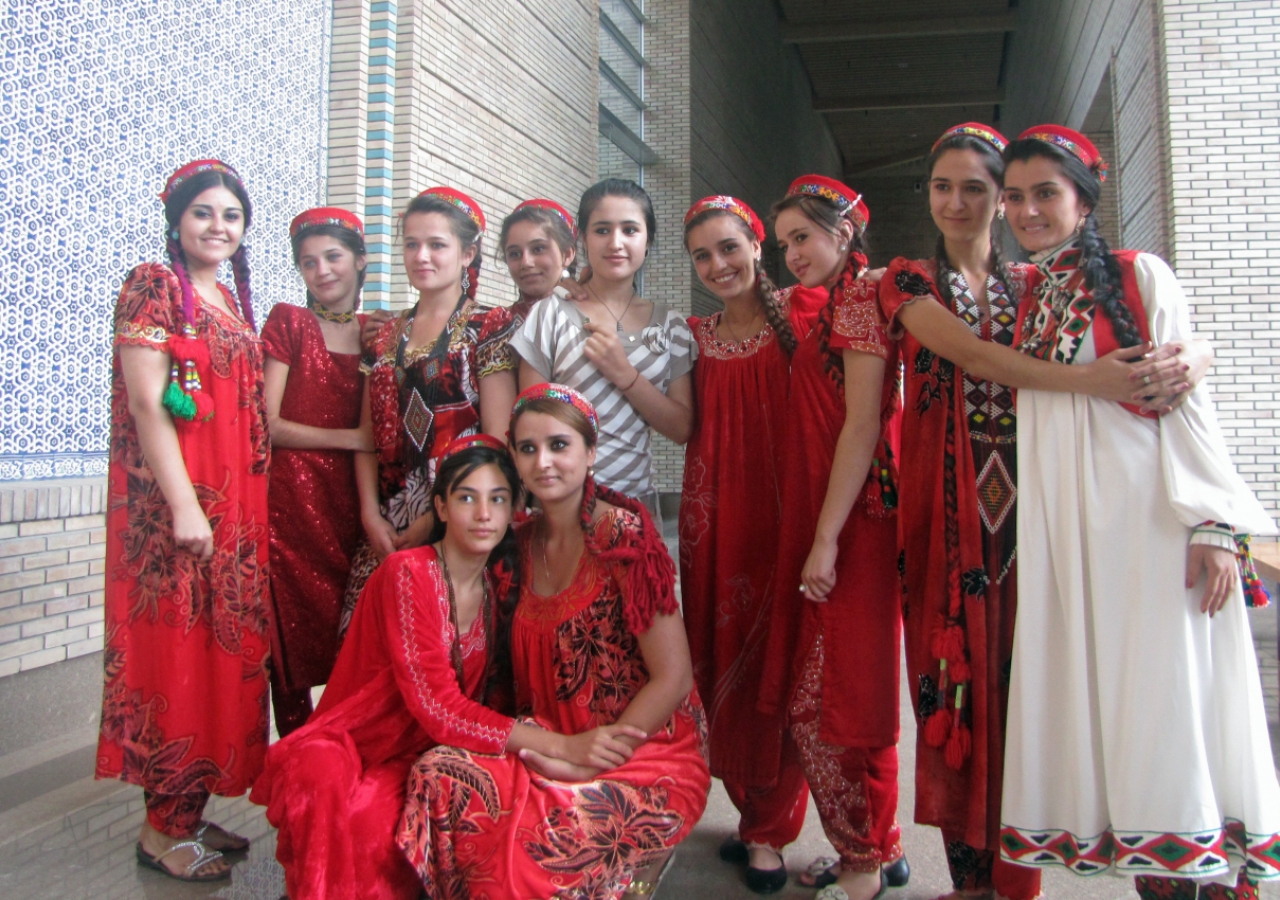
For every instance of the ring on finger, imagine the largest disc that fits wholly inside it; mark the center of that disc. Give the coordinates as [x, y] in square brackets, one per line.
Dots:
[803, 589]
[1146, 379]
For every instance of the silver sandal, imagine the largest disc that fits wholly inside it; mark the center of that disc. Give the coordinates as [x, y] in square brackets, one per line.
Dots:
[203, 858]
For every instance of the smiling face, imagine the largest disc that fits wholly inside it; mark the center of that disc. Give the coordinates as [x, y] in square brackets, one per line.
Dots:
[534, 259]
[812, 253]
[477, 511]
[963, 197]
[724, 254]
[211, 228]
[551, 456]
[1041, 204]
[331, 271]
[434, 257]
[616, 239]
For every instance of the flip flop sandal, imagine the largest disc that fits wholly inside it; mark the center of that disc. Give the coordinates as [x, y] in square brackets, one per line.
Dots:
[647, 888]
[190, 872]
[835, 892]
[820, 872]
[232, 842]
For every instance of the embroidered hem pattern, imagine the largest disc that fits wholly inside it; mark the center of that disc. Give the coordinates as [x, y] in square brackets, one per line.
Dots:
[1199, 855]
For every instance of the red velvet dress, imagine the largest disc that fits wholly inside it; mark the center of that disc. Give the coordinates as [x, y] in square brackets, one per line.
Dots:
[315, 510]
[184, 708]
[480, 826]
[335, 787]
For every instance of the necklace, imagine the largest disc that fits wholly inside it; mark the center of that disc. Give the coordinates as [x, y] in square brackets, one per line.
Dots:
[486, 610]
[341, 318]
[609, 309]
[723, 322]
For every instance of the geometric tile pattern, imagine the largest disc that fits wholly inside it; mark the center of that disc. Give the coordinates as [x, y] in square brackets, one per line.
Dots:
[102, 100]
[1209, 853]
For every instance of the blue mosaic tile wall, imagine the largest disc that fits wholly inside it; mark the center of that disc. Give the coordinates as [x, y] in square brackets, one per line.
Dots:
[99, 101]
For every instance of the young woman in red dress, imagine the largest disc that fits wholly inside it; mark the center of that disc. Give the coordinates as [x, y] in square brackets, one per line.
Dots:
[537, 242]
[184, 708]
[729, 509]
[314, 388]
[441, 370]
[599, 654]
[956, 516]
[832, 657]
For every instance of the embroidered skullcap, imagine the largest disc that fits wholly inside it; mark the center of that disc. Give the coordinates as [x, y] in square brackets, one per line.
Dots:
[1071, 141]
[195, 167]
[731, 204]
[325, 215]
[460, 200]
[544, 203]
[563, 394]
[978, 130]
[846, 199]
[457, 445]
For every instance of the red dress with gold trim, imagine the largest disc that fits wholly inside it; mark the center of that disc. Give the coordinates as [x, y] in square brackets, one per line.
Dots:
[335, 787]
[730, 508]
[315, 509]
[861, 620]
[481, 826]
[184, 708]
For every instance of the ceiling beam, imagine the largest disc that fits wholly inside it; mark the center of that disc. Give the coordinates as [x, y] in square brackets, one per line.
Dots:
[854, 30]
[927, 100]
[865, 166]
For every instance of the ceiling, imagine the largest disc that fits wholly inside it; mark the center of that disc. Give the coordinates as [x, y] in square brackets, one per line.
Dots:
[891, 77]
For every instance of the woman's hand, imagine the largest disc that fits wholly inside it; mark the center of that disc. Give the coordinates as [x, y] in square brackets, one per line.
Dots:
[819, 575]
[556, 769]
[604, 350]
[600, 748]
[382, 536]
[577, 290]
[417, 533]
[1167, 375]
[372, 325]
[191, 531]
[1109, 376]
[1219, 566]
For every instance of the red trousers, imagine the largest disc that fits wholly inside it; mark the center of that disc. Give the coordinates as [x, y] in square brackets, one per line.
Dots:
[773, 816]
[977, 869]
[175, 815]
[854, 788]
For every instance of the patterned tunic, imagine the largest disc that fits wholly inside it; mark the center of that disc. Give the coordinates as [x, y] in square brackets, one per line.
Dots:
[485, 826]
[184, 708]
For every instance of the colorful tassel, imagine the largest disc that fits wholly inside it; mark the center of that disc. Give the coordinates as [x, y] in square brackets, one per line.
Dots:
[185, 396]
[960, 673]
[1255, 592]
[178, 402]
[960, 743]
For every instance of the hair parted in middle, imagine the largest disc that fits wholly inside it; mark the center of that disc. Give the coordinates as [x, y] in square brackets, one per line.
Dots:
[557, 224]
[618, 187]
[466, 221]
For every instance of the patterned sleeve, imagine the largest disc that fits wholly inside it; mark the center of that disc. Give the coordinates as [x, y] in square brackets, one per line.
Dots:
[857, 323]
[419, 633]
[281, 336]
[903, 283]
[684, 349]
[493, 351]
[147, 309]
[641, 565]
[535, 340]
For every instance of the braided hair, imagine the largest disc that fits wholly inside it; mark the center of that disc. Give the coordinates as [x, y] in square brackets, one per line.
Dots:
[352, 240]
[1100, 267]
[463, 227]
[766, 290]
[994, 164]
[174, 208]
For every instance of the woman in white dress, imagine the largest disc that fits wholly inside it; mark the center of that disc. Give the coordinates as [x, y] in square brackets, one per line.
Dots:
[1137, 741]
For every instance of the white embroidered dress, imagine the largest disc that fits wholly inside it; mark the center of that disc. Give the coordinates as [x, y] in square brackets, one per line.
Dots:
[1137, 740]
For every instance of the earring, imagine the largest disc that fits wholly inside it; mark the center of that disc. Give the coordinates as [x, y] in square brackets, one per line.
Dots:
[1000, 215]
[591, 471]
[466, 280]
[564, 275]
[174, 234]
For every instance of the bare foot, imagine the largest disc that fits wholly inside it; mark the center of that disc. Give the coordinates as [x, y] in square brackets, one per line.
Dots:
[215, 837]
[154, 844]
[763, 857]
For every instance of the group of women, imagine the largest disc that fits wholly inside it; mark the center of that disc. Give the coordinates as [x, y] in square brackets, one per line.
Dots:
[514, 703]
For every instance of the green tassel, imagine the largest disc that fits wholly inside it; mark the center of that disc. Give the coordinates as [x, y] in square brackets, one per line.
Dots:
[179, 402]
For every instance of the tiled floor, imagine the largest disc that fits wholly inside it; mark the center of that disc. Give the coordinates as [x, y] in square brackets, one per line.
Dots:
[77, 842]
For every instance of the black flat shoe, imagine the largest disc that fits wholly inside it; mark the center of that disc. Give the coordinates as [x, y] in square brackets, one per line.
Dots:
[897, 873]
[733, 850]
[766, 881]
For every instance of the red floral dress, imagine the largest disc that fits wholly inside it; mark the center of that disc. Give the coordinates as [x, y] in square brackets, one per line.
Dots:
[485, 826]
[184, 708]
[315, 510]
[335, 787]
[730, 508]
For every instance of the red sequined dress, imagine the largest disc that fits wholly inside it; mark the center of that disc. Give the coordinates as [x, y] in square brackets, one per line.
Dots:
[485, 826]
[335, 787]
[184, 708]
[315, 510]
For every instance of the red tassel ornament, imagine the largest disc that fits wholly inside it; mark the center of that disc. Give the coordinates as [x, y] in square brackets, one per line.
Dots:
[960, 743]
[960, 673]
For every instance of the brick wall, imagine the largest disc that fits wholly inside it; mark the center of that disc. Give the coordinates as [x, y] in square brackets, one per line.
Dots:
[52, 542]
[1222, 64]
